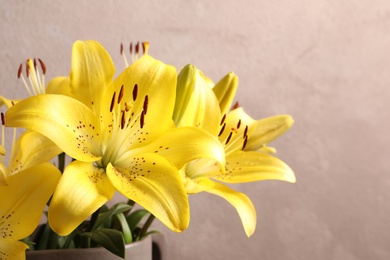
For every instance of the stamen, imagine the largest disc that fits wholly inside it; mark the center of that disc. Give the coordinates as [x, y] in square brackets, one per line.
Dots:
[123, 119]
[245, 141]
[124, 56]
[239, 124]
[236, 105]
[222, 129]
[136, 50]
[43, 66]
[2, 118]
[223, 119]
[146, 102]
[229, 137]
[142, 121]
[245, 131]
[135, 92]
[145, 47]
[121, 92]
[20, 70]
[27, 69]
[112, 102]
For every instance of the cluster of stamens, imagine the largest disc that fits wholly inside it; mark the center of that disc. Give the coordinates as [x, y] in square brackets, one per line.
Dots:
[35, 75]
[125, 116]
[233, 130]
[134, 51]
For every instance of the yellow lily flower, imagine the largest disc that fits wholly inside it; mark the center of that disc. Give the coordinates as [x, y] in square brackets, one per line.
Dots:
[27, 185]
[27, 193]
[243, 139]
[120, 134]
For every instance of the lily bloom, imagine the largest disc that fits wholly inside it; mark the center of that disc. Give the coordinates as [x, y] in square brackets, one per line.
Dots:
[26, 186]
[120, 134]
[206, 105]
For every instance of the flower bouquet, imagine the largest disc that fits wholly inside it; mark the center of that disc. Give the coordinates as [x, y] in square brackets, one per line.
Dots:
[152, 135]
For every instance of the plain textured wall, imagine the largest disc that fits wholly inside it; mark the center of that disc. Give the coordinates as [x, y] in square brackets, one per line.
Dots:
[326, 62]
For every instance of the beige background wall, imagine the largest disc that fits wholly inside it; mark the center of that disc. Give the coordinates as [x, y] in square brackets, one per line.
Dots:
[326, 62]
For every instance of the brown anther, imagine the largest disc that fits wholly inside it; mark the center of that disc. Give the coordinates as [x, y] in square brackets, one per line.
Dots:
[245, 141]
[123, 120]
[2, 118]
[121, 92]
[222, 129]
[245, 131]
[121, 48]
[135, 92]
[112, 102]
[137, 48]
[43, 66]
[239, 124]
[142, 121]
[27, 69]
[35, 63]
[131, 48]
[146, 103]
[144, 47]
[236, 105]
[229, 137]
[223, 119]
[20, 70]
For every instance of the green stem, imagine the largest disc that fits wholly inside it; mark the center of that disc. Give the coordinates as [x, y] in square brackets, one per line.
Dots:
[145, 227]
[127, 236]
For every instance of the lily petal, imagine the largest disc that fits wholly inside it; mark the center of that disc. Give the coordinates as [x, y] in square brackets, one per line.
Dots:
[11, 249]
[92, 72]
[26, 193]
[39, 150]
[196, 104]
[67, 122]
[149, 86]
[259, 132]
[82, 189]
[197, 185]
[184, 144]
[266, 130]
[59, 85]
[254, 166]
[241, 203]
[155, 184]
[3, 175]
[225, 90]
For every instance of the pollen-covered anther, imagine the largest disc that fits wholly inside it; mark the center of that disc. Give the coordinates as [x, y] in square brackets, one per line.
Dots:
[142, 120]
[121, 93]
[135, 92]
[146, 103]
[145, 47]
[245, 132]
[123, 119]
[229, 137]
[245, 141]
[239, 124]
[222, 129]
[112, 101]
[223, 119]
[2, 118]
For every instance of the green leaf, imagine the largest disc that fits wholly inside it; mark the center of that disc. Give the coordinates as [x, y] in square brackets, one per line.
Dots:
[135, 218]
[116, 209]
[110, 239]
